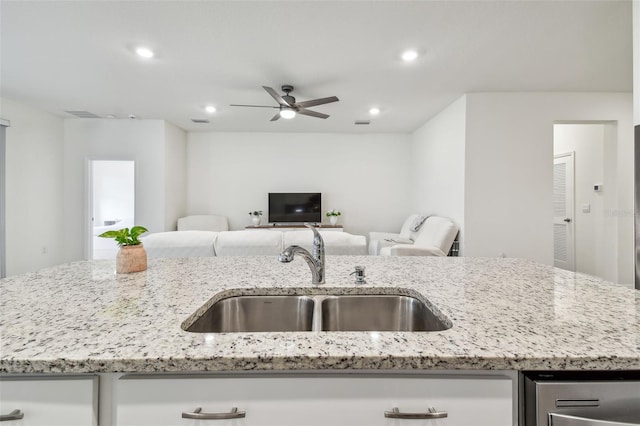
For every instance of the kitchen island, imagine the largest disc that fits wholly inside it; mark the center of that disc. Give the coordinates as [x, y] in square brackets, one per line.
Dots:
[508, 315]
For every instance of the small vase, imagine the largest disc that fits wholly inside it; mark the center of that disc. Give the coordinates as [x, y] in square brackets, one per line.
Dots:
[131, 259]
[333, 220]
[255, 220]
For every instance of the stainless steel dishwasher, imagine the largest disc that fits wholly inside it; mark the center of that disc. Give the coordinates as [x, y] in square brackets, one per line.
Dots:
[581, 399]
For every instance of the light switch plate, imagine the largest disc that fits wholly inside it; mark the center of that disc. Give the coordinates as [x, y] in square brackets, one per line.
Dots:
[586, 208]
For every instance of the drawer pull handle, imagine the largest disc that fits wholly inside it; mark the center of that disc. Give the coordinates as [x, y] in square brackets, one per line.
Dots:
[432, 413]
[14, 415]
[197, 414]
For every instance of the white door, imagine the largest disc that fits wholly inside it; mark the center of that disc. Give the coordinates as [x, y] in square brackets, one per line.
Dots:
[111, 204]
[563, 227]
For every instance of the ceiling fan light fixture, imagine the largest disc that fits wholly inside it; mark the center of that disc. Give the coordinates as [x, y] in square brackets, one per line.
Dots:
[374, 111]
[287, 113]
[409, 55]
[144, 52]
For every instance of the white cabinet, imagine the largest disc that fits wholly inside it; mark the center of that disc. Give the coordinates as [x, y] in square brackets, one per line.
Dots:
[322, 400]
[49, 401]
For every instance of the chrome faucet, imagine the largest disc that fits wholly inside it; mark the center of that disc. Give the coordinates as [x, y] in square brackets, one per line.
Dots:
[315, 260]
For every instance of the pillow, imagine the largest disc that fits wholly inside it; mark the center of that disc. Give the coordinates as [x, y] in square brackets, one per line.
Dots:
[213, 223]
[417, 223]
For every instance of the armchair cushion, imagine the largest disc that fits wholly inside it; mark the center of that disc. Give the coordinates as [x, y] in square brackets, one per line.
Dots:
[335, 243]
[405, 231]
[411, 250]
[437, 232]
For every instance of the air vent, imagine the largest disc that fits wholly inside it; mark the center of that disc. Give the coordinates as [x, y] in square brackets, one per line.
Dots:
[200, 120]
[362, 122]
[83, 114]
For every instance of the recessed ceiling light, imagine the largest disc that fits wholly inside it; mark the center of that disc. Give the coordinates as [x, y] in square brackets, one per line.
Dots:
[409, 55]
[144, 52]
[210, 109]
[374, 111]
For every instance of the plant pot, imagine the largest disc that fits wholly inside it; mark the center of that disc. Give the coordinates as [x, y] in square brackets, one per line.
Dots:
[333, 220]
[255, 220]
[131, 259]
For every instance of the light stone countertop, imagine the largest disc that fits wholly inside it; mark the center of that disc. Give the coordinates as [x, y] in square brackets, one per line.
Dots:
[507, 314]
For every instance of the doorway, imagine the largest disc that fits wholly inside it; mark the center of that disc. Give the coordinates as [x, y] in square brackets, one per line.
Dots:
[588, 231]
[112, 204]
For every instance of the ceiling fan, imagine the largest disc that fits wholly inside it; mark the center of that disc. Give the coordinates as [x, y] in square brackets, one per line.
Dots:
[289, 107]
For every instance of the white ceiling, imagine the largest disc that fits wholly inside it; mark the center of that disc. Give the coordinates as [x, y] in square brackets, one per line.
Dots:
[78, 55]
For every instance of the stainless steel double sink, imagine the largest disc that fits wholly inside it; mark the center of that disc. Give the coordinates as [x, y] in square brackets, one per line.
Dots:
[270, 313]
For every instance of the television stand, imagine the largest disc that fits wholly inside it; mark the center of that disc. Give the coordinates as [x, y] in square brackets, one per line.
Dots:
[284, 227]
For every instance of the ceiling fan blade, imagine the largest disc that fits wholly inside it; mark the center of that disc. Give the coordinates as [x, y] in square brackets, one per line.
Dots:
[314, 102]
[276, 117]
[312, 113]
[275, 96]
[255, 106]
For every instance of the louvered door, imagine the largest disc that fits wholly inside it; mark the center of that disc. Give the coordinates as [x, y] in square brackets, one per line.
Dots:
[563, 226]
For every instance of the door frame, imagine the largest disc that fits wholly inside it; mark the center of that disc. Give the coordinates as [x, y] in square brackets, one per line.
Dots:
[3, 182]
[89, 199]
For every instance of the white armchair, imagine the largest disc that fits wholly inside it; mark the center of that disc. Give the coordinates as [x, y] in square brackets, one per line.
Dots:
[379, 240]
[434, 238]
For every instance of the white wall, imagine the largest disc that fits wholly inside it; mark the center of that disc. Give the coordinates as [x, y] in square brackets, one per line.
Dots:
[437, 165]
[142, 141]
[509, 151]
[34, 187]
[175, 175]
[366, 177]
[595, 230]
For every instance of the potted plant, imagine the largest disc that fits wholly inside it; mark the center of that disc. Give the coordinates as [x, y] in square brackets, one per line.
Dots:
[255, 217]
[132, 257]
[333, 216]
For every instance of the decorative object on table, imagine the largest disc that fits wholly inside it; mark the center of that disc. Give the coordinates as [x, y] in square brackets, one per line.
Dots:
[333, 216]
[132, 256]
[255, 217]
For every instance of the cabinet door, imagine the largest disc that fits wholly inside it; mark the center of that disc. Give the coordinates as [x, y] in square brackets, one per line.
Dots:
[315, 400]
[50, 401]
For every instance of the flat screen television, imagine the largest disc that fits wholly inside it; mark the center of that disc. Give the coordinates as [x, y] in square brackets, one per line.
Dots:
[295, 207]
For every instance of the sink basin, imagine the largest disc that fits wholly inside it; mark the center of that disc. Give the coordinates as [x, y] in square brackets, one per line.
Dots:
[265, 313]
[256, 314]
[378, 313]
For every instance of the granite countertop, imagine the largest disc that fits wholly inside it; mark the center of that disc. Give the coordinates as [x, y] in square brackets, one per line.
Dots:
[507, 314]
